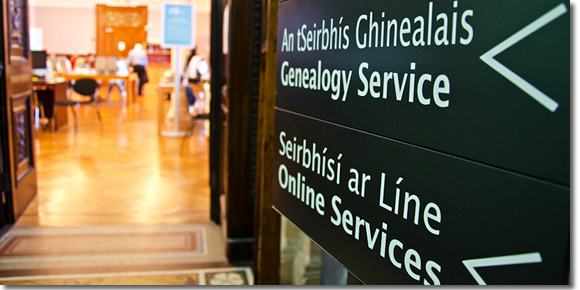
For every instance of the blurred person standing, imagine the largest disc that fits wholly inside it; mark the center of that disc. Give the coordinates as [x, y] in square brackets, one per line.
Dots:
[137, 60]
[195, 73]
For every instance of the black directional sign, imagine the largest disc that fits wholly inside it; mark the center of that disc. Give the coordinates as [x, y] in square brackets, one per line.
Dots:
[428, 142]
[393, 213]
[485, 80]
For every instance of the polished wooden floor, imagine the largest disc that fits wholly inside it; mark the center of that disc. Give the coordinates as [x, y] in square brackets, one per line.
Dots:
[120, 172]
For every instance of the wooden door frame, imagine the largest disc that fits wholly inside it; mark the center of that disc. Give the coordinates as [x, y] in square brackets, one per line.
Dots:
[216, 83]
[17, 132]
[267, 220]
[248, 71]
[242, 79]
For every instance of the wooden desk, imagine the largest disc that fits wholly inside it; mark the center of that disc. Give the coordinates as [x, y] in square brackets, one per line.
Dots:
[162, 90]
[47, 92]
[183, 115]
[93, 74]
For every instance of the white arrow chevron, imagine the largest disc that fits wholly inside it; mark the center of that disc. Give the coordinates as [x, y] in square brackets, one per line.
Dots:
[488, 57]
[499, 261]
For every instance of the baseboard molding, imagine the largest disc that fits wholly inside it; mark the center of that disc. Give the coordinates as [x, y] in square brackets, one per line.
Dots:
[240, 250]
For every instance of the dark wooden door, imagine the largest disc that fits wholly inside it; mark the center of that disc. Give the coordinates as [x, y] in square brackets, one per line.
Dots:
[18, 160]
[5, 208]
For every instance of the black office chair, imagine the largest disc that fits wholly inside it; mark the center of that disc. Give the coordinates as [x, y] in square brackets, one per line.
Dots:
[89, 88]
[43, 108]
[196, 122]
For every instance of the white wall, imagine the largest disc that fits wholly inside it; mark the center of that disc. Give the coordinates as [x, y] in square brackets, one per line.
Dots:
[65, 31]
[68, 26]
[154, 26]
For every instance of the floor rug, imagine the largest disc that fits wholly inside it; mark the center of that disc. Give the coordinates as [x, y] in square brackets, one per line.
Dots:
[117, 255]
[215, 276]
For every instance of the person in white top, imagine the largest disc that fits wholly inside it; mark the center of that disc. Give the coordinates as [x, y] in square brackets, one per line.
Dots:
[195, 72]
[137, 59]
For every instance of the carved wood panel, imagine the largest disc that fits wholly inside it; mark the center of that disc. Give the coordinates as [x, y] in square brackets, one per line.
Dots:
[18, 30]
[22, 136]
[123, 19]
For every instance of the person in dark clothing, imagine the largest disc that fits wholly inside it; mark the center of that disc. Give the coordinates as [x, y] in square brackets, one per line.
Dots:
[137, 59]
[143, 78]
